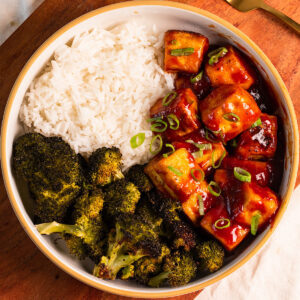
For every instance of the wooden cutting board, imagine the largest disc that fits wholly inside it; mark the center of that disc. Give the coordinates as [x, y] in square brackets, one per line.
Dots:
[25, 272]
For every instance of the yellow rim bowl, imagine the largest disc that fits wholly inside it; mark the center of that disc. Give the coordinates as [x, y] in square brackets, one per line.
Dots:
[178, 12]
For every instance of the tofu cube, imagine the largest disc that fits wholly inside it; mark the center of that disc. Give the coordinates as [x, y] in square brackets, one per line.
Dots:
[260, 141]
[229, 110]
[231, 69]
[244, 200]
[177, 59]
[230, 236]
[261, 172]
[209, 155]
[184, 106]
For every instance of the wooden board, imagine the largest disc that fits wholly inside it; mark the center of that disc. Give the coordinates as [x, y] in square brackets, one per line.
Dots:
[25, 272]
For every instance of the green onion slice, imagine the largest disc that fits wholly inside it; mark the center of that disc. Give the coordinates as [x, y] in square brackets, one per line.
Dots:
[169, 153]
[197, 154]
[169, 98]
[153, 141]
[241, 174]
[159, 126]
[175, 171]
[231, 117]
[173, 121]
[154, 119]
[137, 140]
[182, 52]
[233, 143]
[195, 177]
[255, 222]
[216, 192]
[201, 205]
[208, 138]
[214, 165]
[222, 223]
[202, 147]
[256, 123]
[196, 78]
[216, 54]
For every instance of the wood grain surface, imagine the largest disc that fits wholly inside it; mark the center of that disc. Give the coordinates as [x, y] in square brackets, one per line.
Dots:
[25, 272]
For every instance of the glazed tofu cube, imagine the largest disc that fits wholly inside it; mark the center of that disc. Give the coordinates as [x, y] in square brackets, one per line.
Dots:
[216, 218]
[261, 172]
[229, 110]
[184, 51]
[260, 141]
[172, 174]
[191, 205]
[245, 200]
[209, 157]
[184, 106]
[230, 69]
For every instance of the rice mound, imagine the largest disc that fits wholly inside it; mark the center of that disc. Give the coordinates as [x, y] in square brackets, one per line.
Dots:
[97, 91]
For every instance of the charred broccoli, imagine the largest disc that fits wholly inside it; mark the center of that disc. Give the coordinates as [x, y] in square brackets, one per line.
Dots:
[137, 175]
[170, 210]
[105, 166]
[121, 196]
[53, 172]
[147, 267]
[178, 269]
[131, 240]
[85, 237]
[209, 256]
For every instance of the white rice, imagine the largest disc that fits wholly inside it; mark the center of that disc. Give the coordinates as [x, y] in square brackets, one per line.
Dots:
[97, 91]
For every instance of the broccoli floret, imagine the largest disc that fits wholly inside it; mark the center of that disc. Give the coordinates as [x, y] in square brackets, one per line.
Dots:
[127, 272]
[178, 269]
[209, 256]
[53, 172]
[121, 196]
[137, 175]
[131, 240]
[87, 233]
[105, 166]
[147, 267]
[171, 211]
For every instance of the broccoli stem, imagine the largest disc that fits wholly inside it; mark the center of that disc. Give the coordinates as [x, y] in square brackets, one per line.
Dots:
[54, 227]
[157, 280]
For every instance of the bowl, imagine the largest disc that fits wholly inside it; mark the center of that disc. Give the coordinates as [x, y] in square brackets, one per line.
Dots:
[167, 15]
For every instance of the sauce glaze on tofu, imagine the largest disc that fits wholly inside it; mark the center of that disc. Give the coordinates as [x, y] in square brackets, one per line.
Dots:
[227, 156]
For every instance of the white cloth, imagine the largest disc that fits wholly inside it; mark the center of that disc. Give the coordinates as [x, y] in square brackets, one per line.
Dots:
[273, 274]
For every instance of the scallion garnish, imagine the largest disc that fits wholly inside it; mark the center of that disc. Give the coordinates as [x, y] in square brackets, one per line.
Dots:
[197, 154]
[201, 205]
[222, 223]
[137, 140]
[202, 147]
[255, 222]
[173, 121]
[241, 174]
[233, 143]
[231, 117]
[216, 54]
[169, 153]
[196, 78]
[159, 126]
[208, 138]
[175, 171]
[169, 98]
[182, 52]
[195, 177]
[156, 137]
[215, 185]
[256, 123]
[154, 119]
[214, 165]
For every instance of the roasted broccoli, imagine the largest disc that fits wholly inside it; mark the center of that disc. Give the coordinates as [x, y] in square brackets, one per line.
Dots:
[86, 236]
[52, 171]
[105, 166]
[137, 175]
[147, 267]
[178, 269]
[121, 196]
[170, 210]
[209, 256]
[127, 272]
[131, 240]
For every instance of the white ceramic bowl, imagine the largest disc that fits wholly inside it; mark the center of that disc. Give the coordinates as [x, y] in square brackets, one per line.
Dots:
[167, 15]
